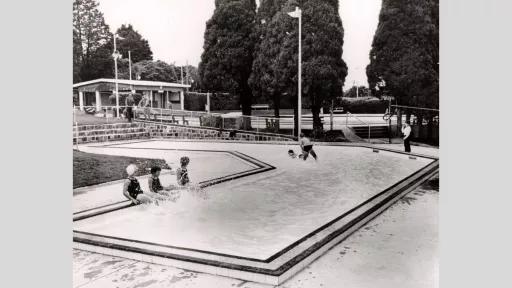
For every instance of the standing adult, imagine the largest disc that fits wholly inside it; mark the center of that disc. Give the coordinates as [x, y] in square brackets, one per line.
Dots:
[406, 131]
[129, 102]
[145, 105]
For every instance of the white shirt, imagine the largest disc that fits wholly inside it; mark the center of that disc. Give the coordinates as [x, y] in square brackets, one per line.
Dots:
[406, 131]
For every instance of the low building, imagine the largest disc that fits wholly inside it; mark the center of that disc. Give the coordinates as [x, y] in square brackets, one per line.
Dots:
[96, 93]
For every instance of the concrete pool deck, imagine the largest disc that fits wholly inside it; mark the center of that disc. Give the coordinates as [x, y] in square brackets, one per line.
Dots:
[99, 269]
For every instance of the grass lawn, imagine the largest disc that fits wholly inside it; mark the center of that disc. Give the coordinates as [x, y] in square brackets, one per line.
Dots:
[90, 169]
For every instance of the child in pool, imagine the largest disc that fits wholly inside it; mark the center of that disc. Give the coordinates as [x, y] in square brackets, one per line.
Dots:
[292, 154]
[156, 187]
[132, 190]
[307, 147]
[182, 172]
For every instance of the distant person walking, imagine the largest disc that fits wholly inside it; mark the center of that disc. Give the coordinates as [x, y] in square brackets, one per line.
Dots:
[307, 147]
[406, 131]
[129, 102]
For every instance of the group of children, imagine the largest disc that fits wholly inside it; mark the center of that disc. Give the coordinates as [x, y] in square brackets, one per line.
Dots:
[307, 148]
[157, 192]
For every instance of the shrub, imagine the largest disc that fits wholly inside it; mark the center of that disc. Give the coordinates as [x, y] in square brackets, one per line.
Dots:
[364, 105]
[195, 102]
[224, 101]
[211, 121]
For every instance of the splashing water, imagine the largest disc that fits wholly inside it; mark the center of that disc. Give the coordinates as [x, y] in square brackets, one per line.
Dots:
[197, 191]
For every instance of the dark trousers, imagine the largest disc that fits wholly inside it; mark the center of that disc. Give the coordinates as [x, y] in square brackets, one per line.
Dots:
[129, 111]
[407, 144]
[308, 150]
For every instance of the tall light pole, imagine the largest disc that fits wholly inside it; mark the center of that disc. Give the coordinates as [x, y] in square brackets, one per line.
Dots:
[130, 67]
[298, 14]
[116, 55]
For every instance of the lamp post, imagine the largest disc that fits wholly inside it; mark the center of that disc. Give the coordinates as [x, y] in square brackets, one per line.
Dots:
[116, 55]
[381, 85]
[298, 14]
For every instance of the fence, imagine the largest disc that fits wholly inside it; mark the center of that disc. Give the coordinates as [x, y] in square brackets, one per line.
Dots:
[424, 122]
[366, 126]
[230, 121]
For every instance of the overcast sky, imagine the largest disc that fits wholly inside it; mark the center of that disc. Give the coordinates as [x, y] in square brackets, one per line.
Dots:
[175, 29]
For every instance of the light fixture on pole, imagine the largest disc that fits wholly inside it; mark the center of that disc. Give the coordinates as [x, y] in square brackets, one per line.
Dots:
[116, 55]
[298, 14]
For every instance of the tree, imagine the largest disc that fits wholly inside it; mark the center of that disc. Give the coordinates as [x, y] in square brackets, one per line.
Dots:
[262, 81]
[324, 70]
[353, 93]
[226, 62]
[323, 67]
[91, 37]
[150, 70]
[77, 57]
[132, 41]
[405, 53]
[192, 77]
[99, 64]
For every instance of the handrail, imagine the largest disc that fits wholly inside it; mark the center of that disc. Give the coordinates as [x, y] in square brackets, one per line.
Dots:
[365, 123]
[418, 108]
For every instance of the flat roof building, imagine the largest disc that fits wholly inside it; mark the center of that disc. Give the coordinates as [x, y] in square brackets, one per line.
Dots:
[96, 93]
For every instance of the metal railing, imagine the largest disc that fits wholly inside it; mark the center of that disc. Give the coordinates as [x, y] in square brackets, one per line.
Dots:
[348, 114]
[229, 121]
[92, 115]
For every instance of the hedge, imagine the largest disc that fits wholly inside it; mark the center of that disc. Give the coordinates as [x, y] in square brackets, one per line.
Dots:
[364, 105]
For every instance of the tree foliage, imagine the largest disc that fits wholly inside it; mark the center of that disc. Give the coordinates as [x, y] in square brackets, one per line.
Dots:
[132, 41]
[354, 92]
[262, 81]
[226, 62]
[323, 69]
[155, 71]
[91, 38]
[405, 51]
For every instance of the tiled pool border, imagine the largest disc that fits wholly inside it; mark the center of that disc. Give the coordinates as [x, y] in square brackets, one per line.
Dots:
[280, 274]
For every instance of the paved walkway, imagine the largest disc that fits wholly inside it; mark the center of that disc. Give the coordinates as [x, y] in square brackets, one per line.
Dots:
[397, 249]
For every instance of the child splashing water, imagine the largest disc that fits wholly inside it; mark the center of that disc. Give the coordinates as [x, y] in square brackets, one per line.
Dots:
[293, 155]
[307, 148]
[182, 172]
[132, 190]
[184, 181]
[155, 185]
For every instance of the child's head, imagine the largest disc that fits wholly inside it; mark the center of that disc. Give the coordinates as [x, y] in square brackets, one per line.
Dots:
[155, 171]
[131, 169]
[184, 161]
[302, 135]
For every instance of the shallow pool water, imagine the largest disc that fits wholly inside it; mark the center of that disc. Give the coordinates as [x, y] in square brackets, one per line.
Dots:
[255, 216]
